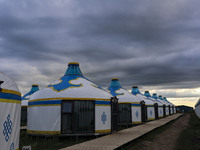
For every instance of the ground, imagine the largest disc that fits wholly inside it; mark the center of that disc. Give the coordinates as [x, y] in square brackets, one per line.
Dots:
[164, 138]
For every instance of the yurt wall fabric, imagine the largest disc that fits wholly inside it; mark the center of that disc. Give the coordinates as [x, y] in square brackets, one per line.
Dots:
[70, 90]
[10, 109]
[148, 103]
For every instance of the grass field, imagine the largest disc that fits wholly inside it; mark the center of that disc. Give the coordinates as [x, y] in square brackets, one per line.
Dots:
[49, 143]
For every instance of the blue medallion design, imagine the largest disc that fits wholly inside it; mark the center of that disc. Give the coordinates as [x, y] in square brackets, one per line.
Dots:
[7, 128]
[161, 112]
[104, 117]
[151, 112]
[12, 146]
[137, 114]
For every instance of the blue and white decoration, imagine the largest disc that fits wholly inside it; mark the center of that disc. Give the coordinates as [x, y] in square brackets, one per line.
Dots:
[104, 118]
[12, 146]
[137, 114]
[7, 128]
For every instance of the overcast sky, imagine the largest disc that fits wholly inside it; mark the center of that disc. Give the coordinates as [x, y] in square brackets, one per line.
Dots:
[153, 44]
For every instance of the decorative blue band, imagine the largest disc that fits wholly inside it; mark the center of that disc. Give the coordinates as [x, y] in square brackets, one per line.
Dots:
[135, 104]
[10, 96]
[44, 102]
[102, 102]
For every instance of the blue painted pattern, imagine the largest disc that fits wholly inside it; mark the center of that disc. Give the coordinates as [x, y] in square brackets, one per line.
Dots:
[7, 128]
[137, 114]
[102, 102]
[151, 112]
[10, 96]
[104, 117]
[44, 102]
[113, 90]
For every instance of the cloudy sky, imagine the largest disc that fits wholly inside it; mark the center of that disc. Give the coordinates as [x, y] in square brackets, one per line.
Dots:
[153, 44]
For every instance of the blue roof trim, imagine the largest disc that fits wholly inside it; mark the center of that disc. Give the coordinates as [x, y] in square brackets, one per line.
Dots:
[33, 90]
[102, 102]
[44, 102]
[135, 105]
[112, 90]
[73, 69]
[135, 91]
[10, 96]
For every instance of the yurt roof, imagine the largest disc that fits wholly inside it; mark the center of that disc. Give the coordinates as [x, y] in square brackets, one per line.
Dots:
[157, 100]
[8, 83]
[73, 85]
[123, 95]
[135, 91]
[147, 94]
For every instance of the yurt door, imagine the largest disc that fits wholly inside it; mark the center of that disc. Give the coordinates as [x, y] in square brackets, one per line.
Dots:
[164, 110]
[77, 117]
[169, 110]
[156, 110]
[143, 111]
[114, 114]
[124, 114]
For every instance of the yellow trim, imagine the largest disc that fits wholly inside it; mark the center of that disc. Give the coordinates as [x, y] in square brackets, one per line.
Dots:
[136, 122]
[72, 63]
[102, 105]
[68, 98]
[135, 106]
[17, 149]
[115, 78]
[160, 116]
[151, 118]
[103, 131]
[42, 132]
[35, 85]
[44, 105]
[11, 92]
[24, 106]
[9, 101]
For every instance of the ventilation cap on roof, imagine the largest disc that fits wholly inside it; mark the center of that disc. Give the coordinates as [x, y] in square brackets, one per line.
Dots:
[147, 94]
[115, 82]
[73, 69]
[135, 90]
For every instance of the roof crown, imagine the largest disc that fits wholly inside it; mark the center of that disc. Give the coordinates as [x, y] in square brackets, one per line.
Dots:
[155, 95]
[160, 97]
[73, 69]
[135, 90]
[115, 83]
[147, 94]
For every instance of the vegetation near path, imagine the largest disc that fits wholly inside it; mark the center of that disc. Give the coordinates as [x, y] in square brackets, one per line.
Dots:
[164, 138]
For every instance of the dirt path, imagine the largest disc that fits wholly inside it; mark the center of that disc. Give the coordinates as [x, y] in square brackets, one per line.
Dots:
[167, 139]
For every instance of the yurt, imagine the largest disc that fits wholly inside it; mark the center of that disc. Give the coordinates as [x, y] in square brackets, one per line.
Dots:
[10, 109]
[171, 106]
[197, 108]
[161, 106]
[149, 104]
[129, 107]
[24, 103]
[158, 106]
[72, 105]
[167, 106]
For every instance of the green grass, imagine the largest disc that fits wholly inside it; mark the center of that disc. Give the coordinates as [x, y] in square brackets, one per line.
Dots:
[189, 138]
[49, 143]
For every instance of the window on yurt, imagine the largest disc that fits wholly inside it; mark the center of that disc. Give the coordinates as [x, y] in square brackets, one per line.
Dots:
[77, 117]
[124, 113]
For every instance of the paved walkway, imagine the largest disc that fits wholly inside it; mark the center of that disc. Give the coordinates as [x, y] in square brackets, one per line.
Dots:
[115, 140]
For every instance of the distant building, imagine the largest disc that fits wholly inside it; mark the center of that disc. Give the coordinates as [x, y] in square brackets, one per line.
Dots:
[183, 108]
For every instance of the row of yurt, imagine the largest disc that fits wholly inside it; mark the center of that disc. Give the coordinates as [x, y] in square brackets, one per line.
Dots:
[77, 106]
[10, 109]
[72, 105]
[24, 103]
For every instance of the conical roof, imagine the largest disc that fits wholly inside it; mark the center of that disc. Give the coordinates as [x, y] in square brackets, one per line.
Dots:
[165, 99]
[72, 85]
[156, 99]
[135, 91]
[123, 95]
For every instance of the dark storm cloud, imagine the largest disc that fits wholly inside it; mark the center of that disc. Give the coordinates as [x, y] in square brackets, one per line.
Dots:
[141, 42]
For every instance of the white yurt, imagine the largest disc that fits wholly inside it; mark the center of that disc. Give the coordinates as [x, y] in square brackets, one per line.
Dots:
[158, 106]
[24, 103]
[161, 106]
[171, 106]
[10, 109]
[167, 106]
[128, 104]
[197, 108]
[71, 105]
[149, 104]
